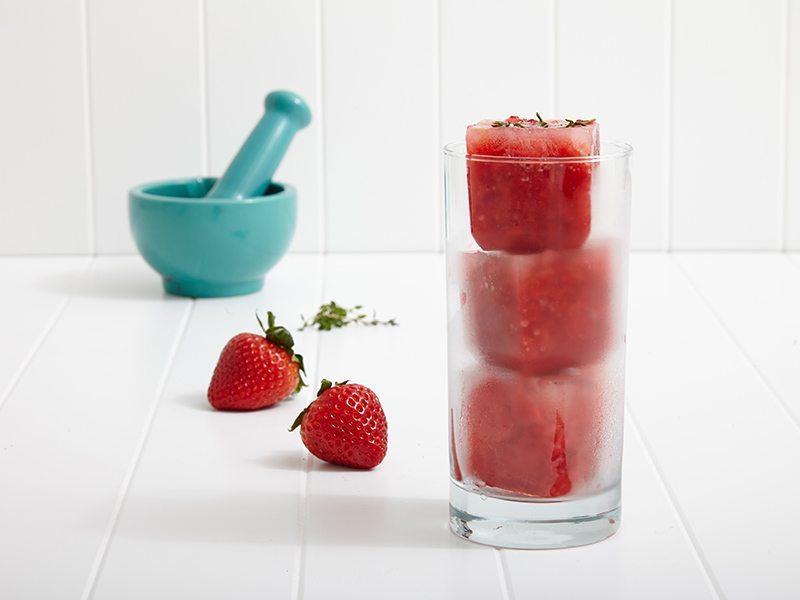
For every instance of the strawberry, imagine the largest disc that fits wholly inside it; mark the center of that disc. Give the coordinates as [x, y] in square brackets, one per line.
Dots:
[345, 425]
[256, 371]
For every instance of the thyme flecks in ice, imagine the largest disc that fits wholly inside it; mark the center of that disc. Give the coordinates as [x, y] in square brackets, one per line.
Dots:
[508, 124]
[579, 122]
[540, 122]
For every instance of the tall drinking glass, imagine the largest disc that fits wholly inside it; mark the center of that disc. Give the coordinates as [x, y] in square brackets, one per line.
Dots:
[537, 253]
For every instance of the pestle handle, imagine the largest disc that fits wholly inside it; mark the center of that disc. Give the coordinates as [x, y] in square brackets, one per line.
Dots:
[251, 170]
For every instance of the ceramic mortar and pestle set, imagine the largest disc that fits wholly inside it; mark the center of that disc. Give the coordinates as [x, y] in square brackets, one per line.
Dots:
[211, 237]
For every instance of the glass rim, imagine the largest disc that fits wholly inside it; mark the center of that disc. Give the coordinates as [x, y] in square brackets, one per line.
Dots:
[616, 151]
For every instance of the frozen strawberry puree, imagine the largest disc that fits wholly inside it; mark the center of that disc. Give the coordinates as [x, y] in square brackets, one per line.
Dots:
[539, 313]
[530, 206]
[455, 468]
[536, 436]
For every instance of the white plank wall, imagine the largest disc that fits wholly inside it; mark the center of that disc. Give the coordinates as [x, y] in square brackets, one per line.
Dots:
[726, 119]
[252, 48]
[381, 125]
[602, 48]
[146, 103]
[791, 170]
[479, 73]
[481, 78]
[101, 95]
[45, 205]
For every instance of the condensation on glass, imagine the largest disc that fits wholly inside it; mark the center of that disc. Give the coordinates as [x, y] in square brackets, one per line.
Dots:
[536, 303]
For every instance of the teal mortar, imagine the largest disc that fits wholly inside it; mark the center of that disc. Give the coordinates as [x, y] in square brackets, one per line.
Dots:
[207, 248]
[212, 237]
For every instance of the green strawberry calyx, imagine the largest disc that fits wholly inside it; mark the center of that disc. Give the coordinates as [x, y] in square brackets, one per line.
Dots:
[280, 336]
[324, 386]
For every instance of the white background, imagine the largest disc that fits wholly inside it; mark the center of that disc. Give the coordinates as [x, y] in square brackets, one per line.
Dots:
[100, 95]
[116, 479]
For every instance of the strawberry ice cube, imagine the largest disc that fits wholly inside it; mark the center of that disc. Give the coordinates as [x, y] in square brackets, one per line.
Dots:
[539, 313]
[535, 436]
[455, 468]
[523, 206]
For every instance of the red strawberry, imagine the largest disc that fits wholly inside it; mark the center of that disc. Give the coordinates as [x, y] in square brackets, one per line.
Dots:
[345, 425]
[256, 371]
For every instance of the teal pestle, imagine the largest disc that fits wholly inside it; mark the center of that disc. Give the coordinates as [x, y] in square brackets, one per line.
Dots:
[209, 238]
[251, 170]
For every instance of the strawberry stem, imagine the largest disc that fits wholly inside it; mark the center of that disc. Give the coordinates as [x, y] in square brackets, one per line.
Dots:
[324, 386]
[277, 334]
[261, 324]
[299, 420]
[280, 336]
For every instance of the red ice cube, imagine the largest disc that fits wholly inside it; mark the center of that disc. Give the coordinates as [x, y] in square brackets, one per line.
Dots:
[539, 313]
[523, 206]
[535, 436]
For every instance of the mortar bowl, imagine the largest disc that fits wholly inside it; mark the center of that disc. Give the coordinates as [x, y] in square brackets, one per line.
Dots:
[206, 248]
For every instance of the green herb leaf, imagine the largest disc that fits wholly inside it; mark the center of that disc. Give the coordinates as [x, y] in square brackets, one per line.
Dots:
[542, 122]
[332, 315]
[579, 122]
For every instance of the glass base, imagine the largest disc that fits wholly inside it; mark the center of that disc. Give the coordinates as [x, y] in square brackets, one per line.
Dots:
[534, 524]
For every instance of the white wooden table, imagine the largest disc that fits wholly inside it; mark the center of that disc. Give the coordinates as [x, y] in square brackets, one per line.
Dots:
[118, 481]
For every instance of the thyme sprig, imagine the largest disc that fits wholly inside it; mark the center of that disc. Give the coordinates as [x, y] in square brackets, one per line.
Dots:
[579, 122]
[508, 124]
[332, 315]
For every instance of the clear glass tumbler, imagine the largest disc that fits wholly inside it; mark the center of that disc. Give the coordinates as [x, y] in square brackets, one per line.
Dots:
[537, 254]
